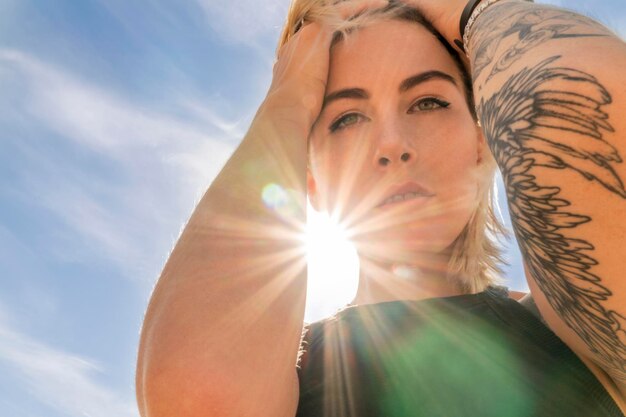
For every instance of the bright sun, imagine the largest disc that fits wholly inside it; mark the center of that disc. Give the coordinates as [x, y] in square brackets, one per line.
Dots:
[333, 266]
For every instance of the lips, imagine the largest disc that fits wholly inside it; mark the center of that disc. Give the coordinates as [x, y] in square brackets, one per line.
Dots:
[405, 192]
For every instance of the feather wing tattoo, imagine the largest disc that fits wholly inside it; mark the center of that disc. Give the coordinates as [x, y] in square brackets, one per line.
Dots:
[553, 117]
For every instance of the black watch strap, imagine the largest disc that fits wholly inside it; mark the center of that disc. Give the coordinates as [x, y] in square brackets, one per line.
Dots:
[467, 12]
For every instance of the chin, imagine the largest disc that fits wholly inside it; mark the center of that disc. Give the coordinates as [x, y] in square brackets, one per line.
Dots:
[434, 236]
[400, 246]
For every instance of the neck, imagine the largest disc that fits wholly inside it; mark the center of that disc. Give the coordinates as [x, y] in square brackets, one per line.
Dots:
[381, 281]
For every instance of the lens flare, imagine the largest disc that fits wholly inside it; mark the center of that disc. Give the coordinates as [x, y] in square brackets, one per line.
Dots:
[333, 266]
[282, 200]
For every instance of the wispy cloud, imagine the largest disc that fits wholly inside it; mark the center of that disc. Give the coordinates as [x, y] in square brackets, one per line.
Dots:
[162, 162]
[243, 21]
[99, 118]
[59, 380]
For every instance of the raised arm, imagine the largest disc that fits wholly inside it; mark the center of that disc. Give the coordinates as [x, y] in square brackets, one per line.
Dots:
[222, 330]
[550, 94]
[550, 91]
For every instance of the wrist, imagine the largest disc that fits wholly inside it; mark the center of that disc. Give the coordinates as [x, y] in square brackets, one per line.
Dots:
[466, 14]
[472, 11]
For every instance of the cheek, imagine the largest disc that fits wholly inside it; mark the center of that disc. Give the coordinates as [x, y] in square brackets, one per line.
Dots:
[454, 168]
[452, 153]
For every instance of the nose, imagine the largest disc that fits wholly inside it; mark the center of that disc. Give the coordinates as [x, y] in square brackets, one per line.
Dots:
[384, 161]
[393, 149]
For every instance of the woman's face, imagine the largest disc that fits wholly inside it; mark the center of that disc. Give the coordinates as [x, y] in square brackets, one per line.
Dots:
[395, 151]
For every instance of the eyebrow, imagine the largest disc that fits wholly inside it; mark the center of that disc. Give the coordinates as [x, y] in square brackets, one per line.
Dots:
[353, 93]
[423, 77]
[361, 94]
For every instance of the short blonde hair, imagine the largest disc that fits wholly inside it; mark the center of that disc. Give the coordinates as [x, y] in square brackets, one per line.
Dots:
[477, 256]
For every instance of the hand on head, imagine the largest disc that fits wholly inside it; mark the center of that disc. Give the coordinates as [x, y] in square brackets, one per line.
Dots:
[301, 70]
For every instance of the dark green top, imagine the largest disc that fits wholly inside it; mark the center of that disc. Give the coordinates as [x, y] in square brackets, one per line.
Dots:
[479, 355]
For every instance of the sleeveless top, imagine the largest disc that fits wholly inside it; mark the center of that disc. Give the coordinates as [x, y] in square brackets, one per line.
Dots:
[478, 355]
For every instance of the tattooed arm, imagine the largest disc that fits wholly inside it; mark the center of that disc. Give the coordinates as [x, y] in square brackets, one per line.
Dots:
[551, 97]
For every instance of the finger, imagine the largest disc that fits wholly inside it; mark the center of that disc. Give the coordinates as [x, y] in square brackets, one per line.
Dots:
[309, 40]
[349, 8]
[303, 63]
[345, 10]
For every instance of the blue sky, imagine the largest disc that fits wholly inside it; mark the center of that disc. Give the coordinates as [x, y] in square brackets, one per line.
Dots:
[114, 118]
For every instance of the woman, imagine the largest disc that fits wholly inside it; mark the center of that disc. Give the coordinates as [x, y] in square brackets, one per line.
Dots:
[396, 153]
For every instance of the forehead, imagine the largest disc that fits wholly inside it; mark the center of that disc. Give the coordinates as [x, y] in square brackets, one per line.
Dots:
[384, 53]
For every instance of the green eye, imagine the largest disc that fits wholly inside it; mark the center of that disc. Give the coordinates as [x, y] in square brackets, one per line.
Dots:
[428, 104]
[346, 121]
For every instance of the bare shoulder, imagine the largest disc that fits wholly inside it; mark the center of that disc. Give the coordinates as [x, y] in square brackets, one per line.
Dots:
[517, 295]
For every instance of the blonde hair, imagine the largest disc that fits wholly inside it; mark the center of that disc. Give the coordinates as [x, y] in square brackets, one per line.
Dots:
[476, 258]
